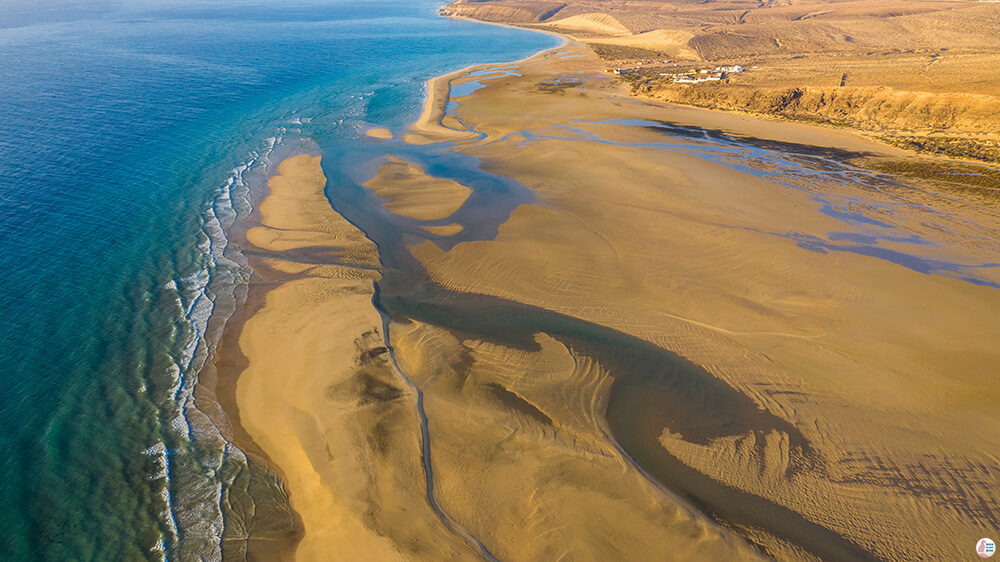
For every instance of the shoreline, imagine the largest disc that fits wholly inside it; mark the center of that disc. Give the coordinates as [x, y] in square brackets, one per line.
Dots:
[429, 128]
[230, 362]
[311, 386]
[763, 126]
[278, 538]
[978, 146]
[782, 322]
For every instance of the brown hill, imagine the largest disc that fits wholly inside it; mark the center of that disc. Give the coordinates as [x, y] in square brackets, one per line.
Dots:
[898, 67]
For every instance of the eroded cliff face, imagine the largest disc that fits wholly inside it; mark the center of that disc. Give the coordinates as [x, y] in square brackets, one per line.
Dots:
[919, 74]
[868, 108]
[953, 124]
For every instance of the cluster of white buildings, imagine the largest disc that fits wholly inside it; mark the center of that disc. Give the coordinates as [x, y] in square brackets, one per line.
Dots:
[705, 75]
[692, 77]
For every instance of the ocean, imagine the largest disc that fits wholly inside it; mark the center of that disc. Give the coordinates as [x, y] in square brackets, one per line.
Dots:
[132, 135]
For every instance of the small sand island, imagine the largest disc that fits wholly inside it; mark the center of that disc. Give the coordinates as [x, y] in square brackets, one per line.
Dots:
[690, 334]
[412, 193]
[379, 133]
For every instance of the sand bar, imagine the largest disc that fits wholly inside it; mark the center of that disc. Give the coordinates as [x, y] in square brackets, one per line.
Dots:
[413, 193]
[318, 394]
[379, 133]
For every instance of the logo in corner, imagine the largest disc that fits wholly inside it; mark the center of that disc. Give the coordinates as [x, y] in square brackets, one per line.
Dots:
[986, 548]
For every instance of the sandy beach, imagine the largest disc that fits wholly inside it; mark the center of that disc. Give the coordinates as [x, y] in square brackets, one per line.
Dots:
[318, 394]
[708, 335]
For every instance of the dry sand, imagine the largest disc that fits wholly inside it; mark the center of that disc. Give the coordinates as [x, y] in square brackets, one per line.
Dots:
[880, 376]
[604, 24]
[670, 42]
[429, 127]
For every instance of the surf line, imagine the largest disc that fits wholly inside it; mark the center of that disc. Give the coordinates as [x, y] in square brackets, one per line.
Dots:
[425, 437]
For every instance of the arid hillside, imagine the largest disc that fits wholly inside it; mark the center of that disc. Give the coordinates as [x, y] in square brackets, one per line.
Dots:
[922, 74]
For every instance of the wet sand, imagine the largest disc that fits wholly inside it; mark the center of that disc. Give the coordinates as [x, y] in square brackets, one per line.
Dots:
[379, 133]
[833, 397]
[318, 394]
[412, 193]
[706, 336]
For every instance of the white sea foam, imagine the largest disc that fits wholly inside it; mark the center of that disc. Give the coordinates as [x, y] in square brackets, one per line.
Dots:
[193, 495]
[161, 454]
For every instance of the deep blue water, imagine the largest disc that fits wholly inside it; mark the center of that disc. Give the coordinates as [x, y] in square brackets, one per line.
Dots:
[128, 135]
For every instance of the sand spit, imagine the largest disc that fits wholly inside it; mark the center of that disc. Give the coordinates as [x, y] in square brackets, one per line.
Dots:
[412, 193]
[429, 127]
[863, 425]
[319, 394]
[434, 123]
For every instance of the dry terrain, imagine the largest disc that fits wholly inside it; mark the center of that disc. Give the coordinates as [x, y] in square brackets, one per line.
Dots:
[922, 74]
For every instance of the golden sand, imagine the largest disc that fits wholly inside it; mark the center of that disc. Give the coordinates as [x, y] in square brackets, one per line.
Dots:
[412, 193]
[379, 133]
[445, 230]
[522, 457]
[885, 370]
[319, 396]
[429, 127]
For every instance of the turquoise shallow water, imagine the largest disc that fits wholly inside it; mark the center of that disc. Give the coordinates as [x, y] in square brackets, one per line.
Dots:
[130, 135]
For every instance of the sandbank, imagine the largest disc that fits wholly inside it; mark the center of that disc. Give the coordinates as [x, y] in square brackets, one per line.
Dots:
[444, 230]
[413, 193]
[318, 394]
[379, 133]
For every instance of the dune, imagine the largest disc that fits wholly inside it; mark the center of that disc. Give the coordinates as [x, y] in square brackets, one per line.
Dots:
[673, 42]
[604, 24]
